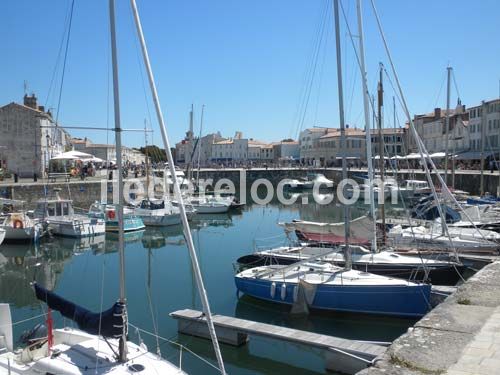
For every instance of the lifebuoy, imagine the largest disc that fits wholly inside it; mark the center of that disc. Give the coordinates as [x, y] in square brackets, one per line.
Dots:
[111, 214]
[18, 224]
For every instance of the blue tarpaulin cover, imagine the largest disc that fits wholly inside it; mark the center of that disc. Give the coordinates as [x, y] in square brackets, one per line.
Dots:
[109, 323]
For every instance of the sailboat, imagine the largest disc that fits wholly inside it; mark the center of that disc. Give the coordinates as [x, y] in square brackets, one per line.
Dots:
[361, 230]
[325, 286]
[387, 263]
[99, 345]
[156, 212]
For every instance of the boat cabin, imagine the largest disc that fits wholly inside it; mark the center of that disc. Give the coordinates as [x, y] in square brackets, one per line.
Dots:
[54, 208]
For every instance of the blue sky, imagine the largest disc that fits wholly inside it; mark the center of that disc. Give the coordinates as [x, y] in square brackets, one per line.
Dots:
[245, 61]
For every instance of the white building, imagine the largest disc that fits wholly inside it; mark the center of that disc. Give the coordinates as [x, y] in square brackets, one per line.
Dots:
[431, 128]
[29, 138]
[201, 150]
[107, 152]
[308, 141]
[286, 150]
[484, 123]
[232, 149]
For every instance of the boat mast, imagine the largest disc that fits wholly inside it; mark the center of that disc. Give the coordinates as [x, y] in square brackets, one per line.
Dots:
[122, 355]
[190, 143]
[147, 159]
[199, 146]
[380, 105]
[447, 127]
[483, 131]
[177, 190]
[348, 260]
[367, 122]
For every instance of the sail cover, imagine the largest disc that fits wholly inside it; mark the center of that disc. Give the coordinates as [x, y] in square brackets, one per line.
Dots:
[109, 323]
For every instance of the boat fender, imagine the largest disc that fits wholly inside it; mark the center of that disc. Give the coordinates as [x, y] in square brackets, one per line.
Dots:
[273, 289]
[295, 292]
[283, 291]
[18, 224]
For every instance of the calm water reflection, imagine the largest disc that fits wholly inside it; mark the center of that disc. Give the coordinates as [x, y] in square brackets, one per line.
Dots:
[159, 280]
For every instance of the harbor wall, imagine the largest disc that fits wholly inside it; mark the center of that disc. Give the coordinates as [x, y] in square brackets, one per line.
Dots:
[86, 192]
[437, 341]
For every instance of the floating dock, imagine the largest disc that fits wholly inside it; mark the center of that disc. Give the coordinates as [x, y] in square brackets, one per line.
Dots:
[343, 355]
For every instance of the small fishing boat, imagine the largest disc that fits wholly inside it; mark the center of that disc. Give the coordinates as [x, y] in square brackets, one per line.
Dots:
[19, 227]
[387, 263]
[17, 224]
[108, 212]
[327, 287]
[59, 217]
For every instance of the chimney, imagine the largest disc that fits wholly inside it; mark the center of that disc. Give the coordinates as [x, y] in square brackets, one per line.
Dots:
[437, 112]
[30, 101]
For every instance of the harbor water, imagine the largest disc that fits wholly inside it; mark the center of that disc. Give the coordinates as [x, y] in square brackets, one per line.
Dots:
[159, 280]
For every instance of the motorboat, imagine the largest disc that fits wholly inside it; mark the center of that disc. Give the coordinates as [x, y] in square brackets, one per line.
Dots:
[207, 204]
[308, 183]
[387, 263]
[59, 217]
[19, 227]
[18, 224]
[158, 213]
[408, 189]
[107, 212]
[363, 192]
[323, 286]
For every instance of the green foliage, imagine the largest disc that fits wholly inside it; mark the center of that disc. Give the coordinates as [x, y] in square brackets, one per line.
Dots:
[156, 154]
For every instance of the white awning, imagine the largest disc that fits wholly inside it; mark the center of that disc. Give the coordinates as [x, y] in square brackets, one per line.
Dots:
[73, 155]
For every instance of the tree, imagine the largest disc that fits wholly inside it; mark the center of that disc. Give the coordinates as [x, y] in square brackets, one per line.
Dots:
[155, 153]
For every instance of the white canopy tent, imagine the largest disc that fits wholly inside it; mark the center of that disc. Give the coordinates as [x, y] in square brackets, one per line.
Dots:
[73, 155]
[77, 155]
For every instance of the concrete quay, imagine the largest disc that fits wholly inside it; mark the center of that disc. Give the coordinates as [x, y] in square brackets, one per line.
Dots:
[461, 336]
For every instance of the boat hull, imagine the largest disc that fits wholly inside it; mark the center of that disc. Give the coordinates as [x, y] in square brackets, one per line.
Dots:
[26, 234]
[438, 275]
[161, 220]
[130, 224]
[406, 301]
[77, 228]
[208, 209]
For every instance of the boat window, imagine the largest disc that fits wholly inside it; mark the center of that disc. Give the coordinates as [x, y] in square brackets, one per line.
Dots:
[51, 209]
[65, 208]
